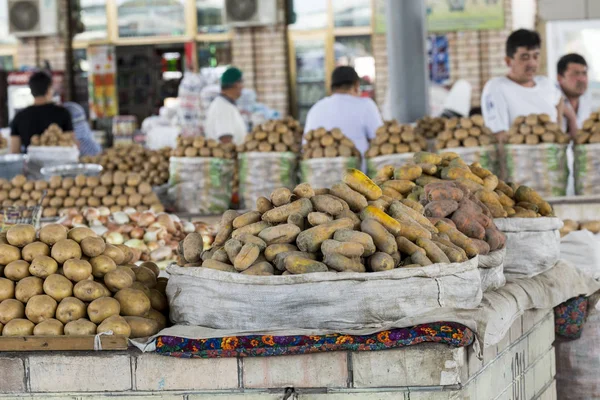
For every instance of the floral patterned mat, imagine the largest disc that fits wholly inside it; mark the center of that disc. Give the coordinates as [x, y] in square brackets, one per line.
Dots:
[449, 333]
[570, 316]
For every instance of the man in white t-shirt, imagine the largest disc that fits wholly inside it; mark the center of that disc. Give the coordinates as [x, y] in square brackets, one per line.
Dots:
[521, 92]
[224, 122]
[573, 80]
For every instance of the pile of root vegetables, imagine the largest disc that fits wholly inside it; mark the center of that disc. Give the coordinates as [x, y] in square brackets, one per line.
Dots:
[59, 281]
[434, 210]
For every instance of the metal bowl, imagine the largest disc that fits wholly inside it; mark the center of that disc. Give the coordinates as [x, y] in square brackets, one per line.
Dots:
[71, 170]
[12, 165]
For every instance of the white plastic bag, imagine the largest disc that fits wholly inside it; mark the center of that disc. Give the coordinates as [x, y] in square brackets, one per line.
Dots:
[532, 245]
[582, 249]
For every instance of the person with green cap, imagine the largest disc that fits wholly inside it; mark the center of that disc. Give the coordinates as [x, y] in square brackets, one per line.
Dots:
[224, 121]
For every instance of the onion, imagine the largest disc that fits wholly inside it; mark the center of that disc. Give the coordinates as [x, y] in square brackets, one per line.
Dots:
[153, 246]
[136, 244]
[137, 233]
[157, 208]
[104, 211]
[137, 253]
[166, 221]
[115, 238]
[175, 218]
[129, 210]
[77, 220]
[188, 227]
[161, 254]
[174, 245]
[91, 213]
[72, 212]
[120, 217]
[95, 222]
[103, 219]
[151, 236]
[126, 228]
[146, 219]
[100, 230]
[135, 217]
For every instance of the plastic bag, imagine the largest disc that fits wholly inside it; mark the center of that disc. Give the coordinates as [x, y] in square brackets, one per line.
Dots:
[325, 172]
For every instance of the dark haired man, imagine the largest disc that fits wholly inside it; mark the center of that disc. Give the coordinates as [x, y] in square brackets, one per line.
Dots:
[521, 92]
[357, 117]
[573, 80]
[224, 122]
[35, 119]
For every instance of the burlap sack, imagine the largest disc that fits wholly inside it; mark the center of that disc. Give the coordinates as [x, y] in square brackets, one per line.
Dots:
[325, 172]
[261, 173]
[586, 169]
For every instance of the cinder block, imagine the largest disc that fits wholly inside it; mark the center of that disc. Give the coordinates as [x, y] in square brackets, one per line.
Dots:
[503, 344]
[79, 373]
[422, 365]
[238, 396]
[516, 330]
[549, 393]
[12, 371]
[154, 372]
[399, 395]
[132, 396]
[541, 339]
[474, 363]
[489, 353]
[532, 317]
[303, 371]
[435, 395]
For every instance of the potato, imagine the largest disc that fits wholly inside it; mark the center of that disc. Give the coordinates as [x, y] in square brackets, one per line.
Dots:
[152, 267]
[52, 233]
[102, 308]
[70, 309]
[28, 287]
[11, 309]
[133, 302]
[114, 253]
[140, 286]
[145, 276]
[40, 308]
[127, 253]
[92, 246]
[102, 265]
[58, 287]
[129, 270]
[77, 270]
[49, 327]
[9, 254]
[43, 266]
[79, 233]
[88, 290]
[159, 318]
[17, 270]
[20, 235]
[80, 327]
[158, 300]
[33, 250]
[115, 323]
[142, 327]
[161, 285]
[117, 280]
[18, 327]
[65, 249]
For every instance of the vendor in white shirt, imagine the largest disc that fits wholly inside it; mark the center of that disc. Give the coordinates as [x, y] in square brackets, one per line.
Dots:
[573, 80]
[224, 122]
[521, 92]
[357, 117]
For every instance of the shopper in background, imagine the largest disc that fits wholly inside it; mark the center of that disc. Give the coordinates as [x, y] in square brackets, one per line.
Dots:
[573, 80]
[83, 133]
[521, 92]
[224, 121]
[357, 117]
[35, 119]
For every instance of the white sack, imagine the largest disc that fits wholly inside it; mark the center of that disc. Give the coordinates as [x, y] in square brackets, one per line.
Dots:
[491, 270]
[331, 301]
[532, 245]
[582, 249]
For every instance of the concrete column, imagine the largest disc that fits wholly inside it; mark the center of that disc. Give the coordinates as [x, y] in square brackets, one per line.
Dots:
[407, 59]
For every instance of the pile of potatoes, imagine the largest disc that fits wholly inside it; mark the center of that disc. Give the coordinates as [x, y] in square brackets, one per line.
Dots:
[151, 165]
[54, 136]
[464, 132]
[273, 136]
[321, 143]
[70, 282]
[571, 226]
[430, 127]
[116, 190]
[395, 138]
[500, 199]
[351, 227]
[535, 129]
[590, 132]
[199, 146]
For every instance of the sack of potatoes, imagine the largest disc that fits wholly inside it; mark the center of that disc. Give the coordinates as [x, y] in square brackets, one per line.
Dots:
[272, 136]
[535, 129]
[152, 165]
[395, 138]
[465, 132]
[430, 127]
[54, 136]
[58, 281]
[321, 143]
[590, 131]
[199, 146]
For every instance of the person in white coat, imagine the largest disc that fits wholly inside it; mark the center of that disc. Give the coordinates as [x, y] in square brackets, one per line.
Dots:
[224, 122]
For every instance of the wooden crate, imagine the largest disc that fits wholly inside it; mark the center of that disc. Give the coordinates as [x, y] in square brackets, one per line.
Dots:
[60, 343]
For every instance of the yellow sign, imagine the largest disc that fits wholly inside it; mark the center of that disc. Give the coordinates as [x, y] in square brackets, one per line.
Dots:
[463, 15]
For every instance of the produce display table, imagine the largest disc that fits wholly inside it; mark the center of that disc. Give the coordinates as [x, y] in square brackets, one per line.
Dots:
[521, 366]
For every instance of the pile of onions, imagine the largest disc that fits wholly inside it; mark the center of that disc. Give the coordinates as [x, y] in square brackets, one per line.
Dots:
[151, 236]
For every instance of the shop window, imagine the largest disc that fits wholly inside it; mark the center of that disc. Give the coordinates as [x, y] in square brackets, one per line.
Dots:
[93, 17]
[214, 54]
[210, 16]
[143, 18]
[351, 13]
[357, 52]
[5, 38]
[310, 14]
[310, 75]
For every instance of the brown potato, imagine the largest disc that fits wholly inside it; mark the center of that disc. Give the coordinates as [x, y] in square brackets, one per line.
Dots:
[80, 327]
[17, 270]
[77, 270]
[49, 327]
[140, 286]
[7, 289]
[158, 300]
[9, 254]
[117, 324]
[79, 233]
[11, 309]
[58, 287]
[145, 276]
[133, 302]
[18, 327]
[92, 246]
[114, 253]
[65, 249]
[118, 279]
[152, 267]
[127, 253]
[158, 317]
[88, 290]
[43, 266]
[28, 287]
[70, 309]
[142, 327]
[102, 308]
[102, 265]
[40, 308]
[20, 235]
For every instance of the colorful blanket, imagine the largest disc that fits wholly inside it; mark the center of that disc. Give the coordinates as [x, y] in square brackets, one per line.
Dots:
[570, 316]
[449, 333]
